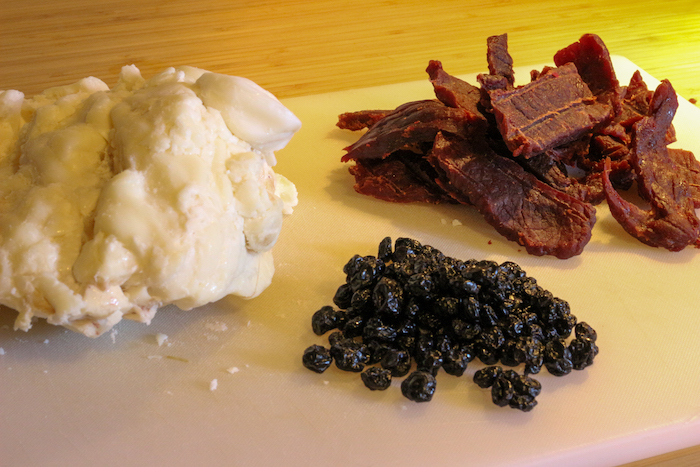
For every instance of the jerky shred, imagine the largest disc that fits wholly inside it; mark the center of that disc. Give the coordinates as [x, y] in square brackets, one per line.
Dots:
[523, 209]
[670, 222]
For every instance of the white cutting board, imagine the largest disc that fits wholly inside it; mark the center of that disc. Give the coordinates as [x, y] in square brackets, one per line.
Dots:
[124, 400]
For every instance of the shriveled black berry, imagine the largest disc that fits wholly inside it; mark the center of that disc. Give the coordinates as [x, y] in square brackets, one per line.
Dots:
[376, 378]
[420, 285]
[343, 296]
[488, 317]
[455, 361]
[317, 358]
[523, 403]
[419, 386]
[471, 309]
[335, 337]
[354, 326]
[387, 297]
[583, 329]
[447, 307]
[485, 377]
[350, 355]
[352, 266]
[535, 331]
[397, 361]
[430, 361]
[557, 358]
[502, 391]
[365, 271]
[487, 355]
[525, 386]
[376, 329]
[361, 301]
[530, 352]
[465, 330]
[583, 351]
[376, 351]
[324, 320]
[514, 326]
[385, 250]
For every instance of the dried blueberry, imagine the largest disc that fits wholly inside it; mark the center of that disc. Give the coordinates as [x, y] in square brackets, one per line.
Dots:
[388, 297]
[420, 285]
[350, 355]
[397, 361]
[419, 386]
[522, 402]
[583, 351]
[384, 251]
[582, 329]
[343, 296]
[455, 361]
[502, 391]
[324, 320]
[429, 361]
[376, 329]
[376, 378]
[485, 377]
[317, 358]
[557, 358]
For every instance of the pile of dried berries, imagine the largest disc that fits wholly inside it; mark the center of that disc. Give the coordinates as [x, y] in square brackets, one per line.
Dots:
[413, 308]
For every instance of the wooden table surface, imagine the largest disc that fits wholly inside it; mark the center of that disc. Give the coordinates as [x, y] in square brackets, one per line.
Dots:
[296, 48]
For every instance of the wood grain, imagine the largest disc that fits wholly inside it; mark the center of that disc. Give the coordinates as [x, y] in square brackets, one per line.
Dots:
[296, 48]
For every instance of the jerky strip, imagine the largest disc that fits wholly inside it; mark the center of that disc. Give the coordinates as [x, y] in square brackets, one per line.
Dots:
[554, 110]
[409, 124]
[670, 222]
[361, 119]
[522, 208]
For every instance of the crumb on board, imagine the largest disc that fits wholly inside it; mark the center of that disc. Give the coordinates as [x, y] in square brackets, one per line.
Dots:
[456, 222]
[161, 338]
[233, 369]
[217, 326]
[2, 351]
[213, 384]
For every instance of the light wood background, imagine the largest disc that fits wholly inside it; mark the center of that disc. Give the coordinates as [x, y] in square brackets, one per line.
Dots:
[295, 48]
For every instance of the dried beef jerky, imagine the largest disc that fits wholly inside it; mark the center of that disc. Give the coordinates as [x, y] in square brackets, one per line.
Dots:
[392, 179]
[553, 110]
[607, 136]
[500, 64]
[499, 61]
[523, 209]
[361, 119]
[408, 125]
[670, 222]
[688, 169]
[454, 92]
[593, 63]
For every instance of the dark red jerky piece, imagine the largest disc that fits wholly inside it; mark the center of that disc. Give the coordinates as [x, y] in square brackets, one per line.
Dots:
[499, 60]
[392, 180]
[554, 110]
[452, 91]
[689, 170]
[592, 60]
[552, 168]
[523, 209]
[635, 99]
[360, 120]
[501, 75]
[409, 124]
[670, 222]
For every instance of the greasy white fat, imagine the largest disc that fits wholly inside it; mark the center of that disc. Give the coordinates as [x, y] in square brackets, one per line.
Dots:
[116, 202]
